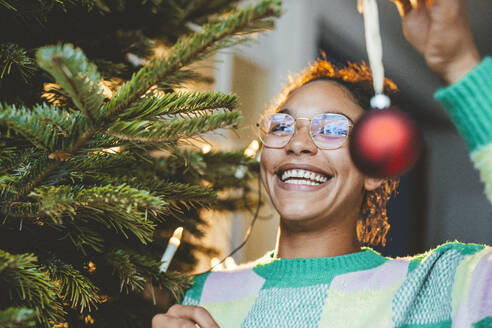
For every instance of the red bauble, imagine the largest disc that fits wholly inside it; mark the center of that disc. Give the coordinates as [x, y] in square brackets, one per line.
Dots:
[385, 143]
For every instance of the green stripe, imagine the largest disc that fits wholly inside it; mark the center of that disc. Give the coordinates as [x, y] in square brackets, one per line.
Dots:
[442, 324]
[484, 323]
[469, 104]
[198, 282]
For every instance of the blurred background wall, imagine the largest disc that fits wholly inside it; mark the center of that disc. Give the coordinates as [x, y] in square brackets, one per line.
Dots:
[440, 200]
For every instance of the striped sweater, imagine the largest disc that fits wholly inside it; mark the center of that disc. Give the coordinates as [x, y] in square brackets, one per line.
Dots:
[450, 286]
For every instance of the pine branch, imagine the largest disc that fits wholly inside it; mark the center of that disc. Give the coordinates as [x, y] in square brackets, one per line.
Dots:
[78, 77]
[48, 169]
[173, 129]
[13, 58]
[27, 124]
[82, 235]
[200, 8]
[180, 77]
[174, 103]
[17, 318]
[91, 161]
[28, 285]
[190, 49]
[7, 5]
[45, 126]
[131, 279]
[122, 208]
[21, 175]
[175, 282]
[74, 287]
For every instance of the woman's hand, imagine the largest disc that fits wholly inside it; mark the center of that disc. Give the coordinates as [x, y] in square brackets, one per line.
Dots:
[184, 316]
[440, 31]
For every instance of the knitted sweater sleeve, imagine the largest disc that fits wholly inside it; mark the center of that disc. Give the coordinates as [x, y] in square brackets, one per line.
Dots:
[469, 103]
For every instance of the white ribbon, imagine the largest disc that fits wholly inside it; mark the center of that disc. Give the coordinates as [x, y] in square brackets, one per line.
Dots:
[369, 9]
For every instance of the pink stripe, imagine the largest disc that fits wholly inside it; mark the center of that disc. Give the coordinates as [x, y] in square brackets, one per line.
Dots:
[380, 277]
[480, 297]
[229, 286]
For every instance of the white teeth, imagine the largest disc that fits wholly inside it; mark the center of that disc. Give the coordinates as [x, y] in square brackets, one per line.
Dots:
[303, 177]
[302, 182]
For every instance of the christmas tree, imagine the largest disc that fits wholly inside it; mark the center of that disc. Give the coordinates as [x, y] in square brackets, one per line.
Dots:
[86, 205]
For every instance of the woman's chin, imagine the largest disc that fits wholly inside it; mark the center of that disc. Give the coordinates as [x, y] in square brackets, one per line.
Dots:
[299, 213]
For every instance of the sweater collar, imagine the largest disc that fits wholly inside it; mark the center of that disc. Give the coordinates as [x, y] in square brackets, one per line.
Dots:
[317, 267]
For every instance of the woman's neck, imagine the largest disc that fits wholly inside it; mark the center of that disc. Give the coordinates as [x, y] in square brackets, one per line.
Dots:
[327, 242]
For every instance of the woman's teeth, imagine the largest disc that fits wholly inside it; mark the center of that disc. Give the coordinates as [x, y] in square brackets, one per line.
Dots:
[304, 177]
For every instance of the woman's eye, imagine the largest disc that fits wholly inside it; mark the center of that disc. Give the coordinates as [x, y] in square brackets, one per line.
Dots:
[277, 127]
[333, 130]
[280, 128]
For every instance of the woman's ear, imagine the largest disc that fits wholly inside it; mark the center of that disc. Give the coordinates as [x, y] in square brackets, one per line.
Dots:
[371, 184]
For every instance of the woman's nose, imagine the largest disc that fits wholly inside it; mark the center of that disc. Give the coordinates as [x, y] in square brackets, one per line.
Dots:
[301, 142]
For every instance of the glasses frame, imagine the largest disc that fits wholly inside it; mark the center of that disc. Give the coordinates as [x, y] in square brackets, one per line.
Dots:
[350, 126]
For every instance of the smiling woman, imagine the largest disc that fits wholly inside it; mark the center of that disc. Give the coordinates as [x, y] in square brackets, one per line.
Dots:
[325, 100]
[320, 274]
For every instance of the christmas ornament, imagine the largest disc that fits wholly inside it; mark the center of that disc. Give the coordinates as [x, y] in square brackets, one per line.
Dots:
[385, 142]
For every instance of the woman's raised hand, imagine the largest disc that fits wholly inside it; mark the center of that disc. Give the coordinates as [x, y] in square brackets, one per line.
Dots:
[184, 316]
[440, 31]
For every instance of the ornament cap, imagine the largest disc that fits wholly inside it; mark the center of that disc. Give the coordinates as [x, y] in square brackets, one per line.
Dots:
[380, 101]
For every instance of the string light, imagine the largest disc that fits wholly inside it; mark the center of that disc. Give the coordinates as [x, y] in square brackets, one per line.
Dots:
[89, 320]
[219, 265]
[206, 148]
[230, 263]
[171, 248]
[249, 152]
[112, 150]
[252, 149]
[90, 267]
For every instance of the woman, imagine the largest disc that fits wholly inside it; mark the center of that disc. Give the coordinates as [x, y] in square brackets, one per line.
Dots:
[319, 275]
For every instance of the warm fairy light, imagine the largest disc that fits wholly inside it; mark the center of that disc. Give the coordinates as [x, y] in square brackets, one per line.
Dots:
[252, 149]
[112, 150]
[90, 267]
[176, 238]
[107, 93]
[206, 148]
[89, 320]
[171, 249]
[214, 261]
[249, 153]
[255, 145]
[59, 325]
[229, 263]
[206, 184]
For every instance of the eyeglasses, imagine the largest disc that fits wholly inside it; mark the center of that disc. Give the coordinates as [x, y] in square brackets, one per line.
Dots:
[328, 131]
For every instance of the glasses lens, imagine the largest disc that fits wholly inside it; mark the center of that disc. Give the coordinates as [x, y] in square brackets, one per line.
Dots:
[277, 129]
[329, 131]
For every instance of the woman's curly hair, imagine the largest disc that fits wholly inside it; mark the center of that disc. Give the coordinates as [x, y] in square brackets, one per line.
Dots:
[373, 225]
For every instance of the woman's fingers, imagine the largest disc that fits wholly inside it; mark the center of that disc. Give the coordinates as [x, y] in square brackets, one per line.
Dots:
[167, 321]
[186, 315]
[404, 6]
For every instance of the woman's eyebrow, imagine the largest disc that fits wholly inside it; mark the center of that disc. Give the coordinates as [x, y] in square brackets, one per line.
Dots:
[327, 111]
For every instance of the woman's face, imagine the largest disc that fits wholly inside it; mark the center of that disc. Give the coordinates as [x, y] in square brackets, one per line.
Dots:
[341, 195]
